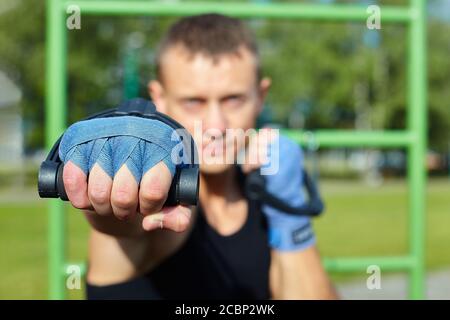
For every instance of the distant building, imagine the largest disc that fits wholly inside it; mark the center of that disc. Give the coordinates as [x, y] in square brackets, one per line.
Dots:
[11, 133]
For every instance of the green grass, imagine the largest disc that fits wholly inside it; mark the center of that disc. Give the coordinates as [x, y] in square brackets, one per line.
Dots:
[359, 221]
[367, 221]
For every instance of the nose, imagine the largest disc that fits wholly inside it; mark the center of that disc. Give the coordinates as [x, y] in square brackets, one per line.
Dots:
[215, 122]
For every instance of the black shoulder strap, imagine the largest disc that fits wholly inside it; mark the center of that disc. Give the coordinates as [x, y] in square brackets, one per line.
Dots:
[255, 188]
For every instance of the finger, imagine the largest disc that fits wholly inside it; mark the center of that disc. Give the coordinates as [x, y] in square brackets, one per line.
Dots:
[124, 193]
[173, 218]
[75, 184]
[99, 190]
[155, 185]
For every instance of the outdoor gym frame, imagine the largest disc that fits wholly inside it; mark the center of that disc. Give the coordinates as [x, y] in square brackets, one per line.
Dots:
[413, 138]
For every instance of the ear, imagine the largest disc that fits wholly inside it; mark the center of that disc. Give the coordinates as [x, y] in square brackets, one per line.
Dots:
[156, 92]
[264, 86]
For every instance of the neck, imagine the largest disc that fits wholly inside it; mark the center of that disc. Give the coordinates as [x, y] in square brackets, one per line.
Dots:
[222, 201]
[219, 189]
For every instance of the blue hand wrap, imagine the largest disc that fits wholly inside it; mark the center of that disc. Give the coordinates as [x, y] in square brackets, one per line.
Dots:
[139, 143]
[287, 232]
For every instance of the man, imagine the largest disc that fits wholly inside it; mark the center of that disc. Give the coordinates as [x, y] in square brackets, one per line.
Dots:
[208, 75]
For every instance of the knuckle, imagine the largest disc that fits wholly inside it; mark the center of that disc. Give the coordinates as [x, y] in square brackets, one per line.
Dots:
[122, 199]
[154, 193]
[99, 193]
[71, 180]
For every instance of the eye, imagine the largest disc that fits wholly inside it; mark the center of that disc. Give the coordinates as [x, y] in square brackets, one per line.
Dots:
[192, 103]
[233, 101]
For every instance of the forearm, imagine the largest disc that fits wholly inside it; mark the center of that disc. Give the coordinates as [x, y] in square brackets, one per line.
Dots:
[114, 248]
[300, 275]
[121, 250]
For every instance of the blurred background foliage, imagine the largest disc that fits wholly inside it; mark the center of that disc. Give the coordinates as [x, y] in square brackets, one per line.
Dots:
[325, 75]
[328, 75]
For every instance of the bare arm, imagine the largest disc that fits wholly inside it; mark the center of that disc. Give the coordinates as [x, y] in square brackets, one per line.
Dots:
[299, 275]
[115, 259]
[126, 219]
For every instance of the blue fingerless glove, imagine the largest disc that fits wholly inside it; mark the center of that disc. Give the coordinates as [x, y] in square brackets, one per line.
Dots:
[287, 232]
[139, 143]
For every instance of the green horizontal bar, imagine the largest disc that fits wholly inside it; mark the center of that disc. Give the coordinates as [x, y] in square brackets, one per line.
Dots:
[337, 264]
[361, 264]
[243, 10]
[352, 139]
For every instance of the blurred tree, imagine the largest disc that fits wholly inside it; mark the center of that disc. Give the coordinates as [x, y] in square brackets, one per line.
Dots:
[345, 82]
[352, 84]
[97, 55]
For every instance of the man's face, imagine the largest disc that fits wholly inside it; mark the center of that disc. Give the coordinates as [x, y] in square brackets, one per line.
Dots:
[211, 99]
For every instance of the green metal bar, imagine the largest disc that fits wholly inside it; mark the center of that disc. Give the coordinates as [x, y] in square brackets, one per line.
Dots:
[417, 122]
[55, 109]
[337, 12]
[414, 138]
[348, 138]
[395, 263]
[362, 263]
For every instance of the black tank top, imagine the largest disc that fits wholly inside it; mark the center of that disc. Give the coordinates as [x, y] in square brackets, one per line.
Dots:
[211, 266]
